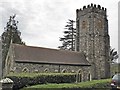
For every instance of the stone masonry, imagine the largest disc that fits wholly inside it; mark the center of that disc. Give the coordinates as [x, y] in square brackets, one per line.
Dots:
[50, 68]
[93, 38]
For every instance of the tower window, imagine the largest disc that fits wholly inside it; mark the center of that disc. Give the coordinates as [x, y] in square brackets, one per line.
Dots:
[84, 24]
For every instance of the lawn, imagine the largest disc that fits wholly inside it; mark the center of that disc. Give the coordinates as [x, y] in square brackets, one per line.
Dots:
[104, 83]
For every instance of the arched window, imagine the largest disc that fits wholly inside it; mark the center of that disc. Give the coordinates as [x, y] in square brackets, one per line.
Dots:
[64, 71]
[89, 77]
[12, 69]
[84, 24]
[46, 70]
[79, 76]
[25, 69]
[79, 71]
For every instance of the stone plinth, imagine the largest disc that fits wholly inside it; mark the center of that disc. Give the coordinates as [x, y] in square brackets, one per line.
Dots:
[6, 84]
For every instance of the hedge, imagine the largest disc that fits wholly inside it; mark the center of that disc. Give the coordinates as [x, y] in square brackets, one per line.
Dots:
[103, 84]
[24, 80]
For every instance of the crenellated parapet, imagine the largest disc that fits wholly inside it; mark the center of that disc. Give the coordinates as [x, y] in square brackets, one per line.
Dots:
[93, 38]
[91, 8]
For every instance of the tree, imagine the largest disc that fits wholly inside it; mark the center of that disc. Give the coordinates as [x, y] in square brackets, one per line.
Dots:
[113, 55]
[68, 41]
[10, 35]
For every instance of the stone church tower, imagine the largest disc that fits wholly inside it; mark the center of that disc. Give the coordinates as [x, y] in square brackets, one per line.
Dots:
[93, 38]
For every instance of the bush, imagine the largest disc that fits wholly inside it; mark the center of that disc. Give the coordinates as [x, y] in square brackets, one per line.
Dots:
[25, 80]
[103, 84]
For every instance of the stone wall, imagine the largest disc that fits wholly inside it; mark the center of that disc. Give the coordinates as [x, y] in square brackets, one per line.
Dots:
[93, 38]
[50, 68]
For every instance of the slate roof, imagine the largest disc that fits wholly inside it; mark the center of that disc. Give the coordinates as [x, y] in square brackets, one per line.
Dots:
[23, 53]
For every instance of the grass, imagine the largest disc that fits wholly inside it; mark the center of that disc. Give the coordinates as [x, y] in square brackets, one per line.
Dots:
[87, 84]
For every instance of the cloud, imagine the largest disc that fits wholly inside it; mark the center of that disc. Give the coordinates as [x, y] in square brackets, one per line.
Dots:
[42, 22]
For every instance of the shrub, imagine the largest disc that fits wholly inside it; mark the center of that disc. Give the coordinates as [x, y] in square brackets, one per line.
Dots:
[23, 80]
[103, 84]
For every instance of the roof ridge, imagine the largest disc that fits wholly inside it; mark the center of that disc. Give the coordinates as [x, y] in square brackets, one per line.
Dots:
[48, 48]
[25, 53]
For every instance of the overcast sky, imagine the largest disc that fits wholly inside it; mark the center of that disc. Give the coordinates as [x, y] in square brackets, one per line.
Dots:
[42, 22]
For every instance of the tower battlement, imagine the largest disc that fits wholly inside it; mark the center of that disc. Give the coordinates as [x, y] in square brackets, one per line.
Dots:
[93, 39]
[91, 8]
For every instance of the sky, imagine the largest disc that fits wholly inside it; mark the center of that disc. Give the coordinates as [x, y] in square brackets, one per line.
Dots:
[41, 22]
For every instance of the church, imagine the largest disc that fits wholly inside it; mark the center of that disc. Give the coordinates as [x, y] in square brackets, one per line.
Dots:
[90, 58]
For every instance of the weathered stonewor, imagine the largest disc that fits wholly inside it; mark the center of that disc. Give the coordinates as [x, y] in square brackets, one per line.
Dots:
[91, 8]
[6, 84]
[93, 38]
